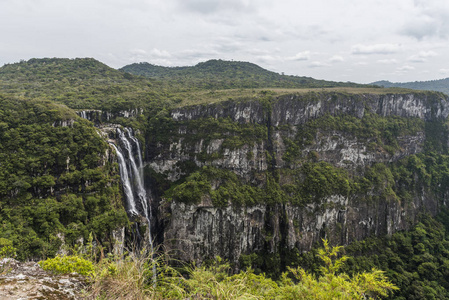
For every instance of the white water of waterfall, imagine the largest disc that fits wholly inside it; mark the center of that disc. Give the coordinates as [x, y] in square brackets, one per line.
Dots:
[127, 189]
[135, 177]
[136, 170]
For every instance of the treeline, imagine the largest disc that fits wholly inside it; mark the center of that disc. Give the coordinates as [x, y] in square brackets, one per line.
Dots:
[220, 74]
[440, 85]
[78, 83]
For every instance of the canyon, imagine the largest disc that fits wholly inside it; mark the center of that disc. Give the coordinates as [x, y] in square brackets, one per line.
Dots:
[256, 144]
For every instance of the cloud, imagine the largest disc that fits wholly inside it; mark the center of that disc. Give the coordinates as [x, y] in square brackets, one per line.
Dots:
[153, 53]
[318, 64]
[267, 58]
[421, 28]
[206, 7]
[422, 56]
[431, 19]
[405, 68]
[336, 58]
[195, 55]
[159, 53]
[138, 52]
[375, 49]
[301, 56]
[388, 61]
[155, 56]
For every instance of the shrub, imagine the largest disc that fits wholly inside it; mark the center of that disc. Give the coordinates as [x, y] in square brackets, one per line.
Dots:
[68, 264]
[7, 249]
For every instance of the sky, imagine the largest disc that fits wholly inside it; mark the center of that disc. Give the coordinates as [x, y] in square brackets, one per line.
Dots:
[342, 40]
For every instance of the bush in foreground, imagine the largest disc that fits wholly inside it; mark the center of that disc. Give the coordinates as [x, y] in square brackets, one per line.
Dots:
[133, 278]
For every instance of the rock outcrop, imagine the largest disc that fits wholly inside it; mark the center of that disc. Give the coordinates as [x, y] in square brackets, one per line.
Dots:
[202, 230]
[26, 280]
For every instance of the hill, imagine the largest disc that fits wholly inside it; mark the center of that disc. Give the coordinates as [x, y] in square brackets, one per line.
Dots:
[441, 85]
[78, 83]
[220, 74]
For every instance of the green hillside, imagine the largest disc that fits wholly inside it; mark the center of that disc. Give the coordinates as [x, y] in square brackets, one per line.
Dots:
[78, 83]
[441, 85]
[60, 182]
[87, 83]
[54, 179]
[220, 74]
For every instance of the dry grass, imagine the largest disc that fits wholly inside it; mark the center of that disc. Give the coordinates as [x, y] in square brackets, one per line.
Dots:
[120, 279]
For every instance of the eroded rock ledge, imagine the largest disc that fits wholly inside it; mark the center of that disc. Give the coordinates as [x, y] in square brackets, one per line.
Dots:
[27, 280]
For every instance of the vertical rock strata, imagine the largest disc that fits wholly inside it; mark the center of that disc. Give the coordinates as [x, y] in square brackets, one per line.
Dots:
[256, 143]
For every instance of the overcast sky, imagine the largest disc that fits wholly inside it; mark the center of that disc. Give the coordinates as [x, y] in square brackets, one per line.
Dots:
[343, 40]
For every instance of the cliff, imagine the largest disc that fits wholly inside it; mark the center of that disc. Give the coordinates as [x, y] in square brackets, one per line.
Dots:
[58, 180]
[274, 175]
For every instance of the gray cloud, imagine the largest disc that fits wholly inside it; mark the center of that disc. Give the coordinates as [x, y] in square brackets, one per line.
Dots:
[430, 20]
[422, 56]
[336, 58]
[320, 39]
[405, 68]
[420, 29]
[304, 55]
[318, 64]
[375, 49]
[207, 7]
[387, 61]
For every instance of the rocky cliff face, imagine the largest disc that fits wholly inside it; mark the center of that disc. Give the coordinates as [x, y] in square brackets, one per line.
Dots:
[271, 142]
[101, 116]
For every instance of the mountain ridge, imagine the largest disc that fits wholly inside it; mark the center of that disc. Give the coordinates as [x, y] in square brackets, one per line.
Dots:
[78, 83]
[217, 73]
[439, 85]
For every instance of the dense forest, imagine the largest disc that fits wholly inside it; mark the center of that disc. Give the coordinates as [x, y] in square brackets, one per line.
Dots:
[60, 188]
[220, 74]
[53, 180]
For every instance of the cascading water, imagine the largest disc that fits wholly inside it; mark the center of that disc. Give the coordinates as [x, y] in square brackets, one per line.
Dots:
[127, 188]
[131, 174]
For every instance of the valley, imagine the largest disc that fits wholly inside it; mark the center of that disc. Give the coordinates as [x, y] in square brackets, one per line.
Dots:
[224, 160]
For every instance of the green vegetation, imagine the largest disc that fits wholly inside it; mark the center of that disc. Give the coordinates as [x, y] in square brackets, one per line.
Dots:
[77, 83]
[307, 179]
[416, 261]
[67, 265]
[440, 85]
[220, 74]
[216, 282]
[229, 189]
[131, 277]
[7, 249]
[380, 133]
[56, 185]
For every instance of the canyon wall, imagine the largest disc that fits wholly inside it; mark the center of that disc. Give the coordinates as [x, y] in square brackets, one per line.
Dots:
[269, 143]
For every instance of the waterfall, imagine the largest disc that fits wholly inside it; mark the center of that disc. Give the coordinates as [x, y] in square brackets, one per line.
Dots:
[131, 173]
[127, 188]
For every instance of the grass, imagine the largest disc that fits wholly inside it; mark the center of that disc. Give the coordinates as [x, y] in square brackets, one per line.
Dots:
[131, 278]
[120, 279]
[215, 96]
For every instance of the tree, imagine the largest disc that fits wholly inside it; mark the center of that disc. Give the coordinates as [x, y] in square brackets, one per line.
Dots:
[331, 284]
